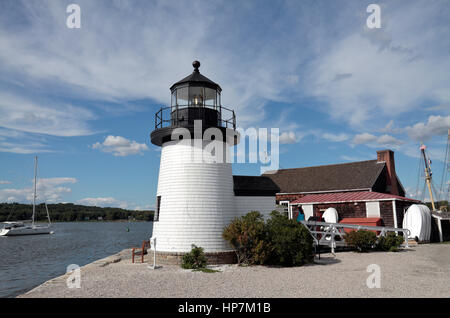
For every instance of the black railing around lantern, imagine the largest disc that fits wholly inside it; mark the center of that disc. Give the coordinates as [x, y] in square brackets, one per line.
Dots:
[181, 115]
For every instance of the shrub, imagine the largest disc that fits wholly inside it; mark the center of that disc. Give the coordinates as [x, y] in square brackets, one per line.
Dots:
[391, 242]
[291, 243]
[246, 235]
[361, 240]
[195, 259]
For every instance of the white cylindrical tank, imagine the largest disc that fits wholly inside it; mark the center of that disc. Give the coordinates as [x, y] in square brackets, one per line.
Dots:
[196, 198]
[330, 215]
[417, 220]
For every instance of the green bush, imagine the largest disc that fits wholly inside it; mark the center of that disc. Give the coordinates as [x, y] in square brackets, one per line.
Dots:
[246, 235]
[361, 240]
[291, 243]
[391, 242]
[279, 241]
[195, 259]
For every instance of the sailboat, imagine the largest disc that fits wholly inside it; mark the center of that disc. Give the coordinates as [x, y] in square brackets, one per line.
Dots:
[21, 228]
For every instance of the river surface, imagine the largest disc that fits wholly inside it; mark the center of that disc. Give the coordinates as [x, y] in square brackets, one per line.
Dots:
[28, 261]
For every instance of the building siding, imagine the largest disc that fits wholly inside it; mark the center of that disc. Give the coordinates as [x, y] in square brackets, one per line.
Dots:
[386, 213]
[245, 204]
[345, 210]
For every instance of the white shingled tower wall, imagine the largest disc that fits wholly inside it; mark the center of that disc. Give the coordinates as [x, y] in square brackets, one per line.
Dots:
[197, 199]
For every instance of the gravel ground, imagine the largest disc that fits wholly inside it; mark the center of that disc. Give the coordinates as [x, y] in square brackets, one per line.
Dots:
[421, 271]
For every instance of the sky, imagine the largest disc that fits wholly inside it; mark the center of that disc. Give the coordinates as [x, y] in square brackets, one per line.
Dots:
[84, 99]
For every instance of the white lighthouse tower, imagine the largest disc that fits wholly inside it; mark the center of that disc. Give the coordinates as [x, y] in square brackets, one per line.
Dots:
[195, 198]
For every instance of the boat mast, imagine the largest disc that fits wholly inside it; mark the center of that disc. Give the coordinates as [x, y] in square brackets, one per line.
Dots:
[34, 195]
[428, 175]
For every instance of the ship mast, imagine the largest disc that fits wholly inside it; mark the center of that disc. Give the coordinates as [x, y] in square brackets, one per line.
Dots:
[428, 174]
[34, 195]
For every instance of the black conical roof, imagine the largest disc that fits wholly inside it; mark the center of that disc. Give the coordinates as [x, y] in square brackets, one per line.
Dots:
[197, 79]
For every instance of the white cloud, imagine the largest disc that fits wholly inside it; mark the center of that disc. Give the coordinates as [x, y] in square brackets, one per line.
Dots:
[364, 138]
[48, 190]
[142, 58]
[389, 140]
[361, 75]
[352, 158]
[443, 108]
[335, 137]
[23, 147]
[21, 114]
[435, 126]
[103, 202]
[288, 138]
[5, 182]
[388, 71]
[120, 146]
[375, 141]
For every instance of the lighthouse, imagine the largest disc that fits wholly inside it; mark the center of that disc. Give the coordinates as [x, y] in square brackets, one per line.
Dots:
[195, 198]
[197, 194]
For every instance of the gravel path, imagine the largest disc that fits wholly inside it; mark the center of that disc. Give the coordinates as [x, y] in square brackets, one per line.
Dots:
[422, 271]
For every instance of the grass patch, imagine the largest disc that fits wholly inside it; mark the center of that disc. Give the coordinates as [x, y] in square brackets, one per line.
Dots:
[206, 270]
[445, 242]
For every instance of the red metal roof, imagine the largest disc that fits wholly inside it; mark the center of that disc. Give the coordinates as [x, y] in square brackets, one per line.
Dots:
[349, 197]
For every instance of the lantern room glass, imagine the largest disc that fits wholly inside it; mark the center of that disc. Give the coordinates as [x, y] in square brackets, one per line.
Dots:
[182, 96]
[210, 97]
[195, 96]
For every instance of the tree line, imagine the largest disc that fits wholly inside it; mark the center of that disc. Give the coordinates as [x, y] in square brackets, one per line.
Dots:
[438, 205]
[69, 212]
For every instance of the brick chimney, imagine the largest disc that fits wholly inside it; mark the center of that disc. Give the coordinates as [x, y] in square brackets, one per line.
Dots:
[387, 156]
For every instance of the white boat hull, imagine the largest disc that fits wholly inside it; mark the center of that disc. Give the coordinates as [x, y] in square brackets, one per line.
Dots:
[17, 228]
[27, 230]
[330, 215]
[417, 220]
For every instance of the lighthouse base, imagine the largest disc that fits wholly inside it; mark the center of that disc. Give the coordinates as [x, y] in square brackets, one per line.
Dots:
[175, 258]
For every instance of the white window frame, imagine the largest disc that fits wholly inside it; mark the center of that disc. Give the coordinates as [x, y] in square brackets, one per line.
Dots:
[289, 208]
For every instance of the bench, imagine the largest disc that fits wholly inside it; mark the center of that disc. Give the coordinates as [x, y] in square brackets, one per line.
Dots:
[140, 251]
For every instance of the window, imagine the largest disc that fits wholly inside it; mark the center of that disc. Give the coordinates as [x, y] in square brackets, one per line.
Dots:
[218, 99]
[196, 96]
[182, 96]
[373, 209]
[285, 205]
[158, 207]
[210, 97]
[174, 98]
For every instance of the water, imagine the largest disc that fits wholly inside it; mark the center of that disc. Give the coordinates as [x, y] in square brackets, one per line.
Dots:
[28, 261]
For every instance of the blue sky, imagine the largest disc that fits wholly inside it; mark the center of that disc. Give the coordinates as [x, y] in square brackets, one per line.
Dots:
[83, 100]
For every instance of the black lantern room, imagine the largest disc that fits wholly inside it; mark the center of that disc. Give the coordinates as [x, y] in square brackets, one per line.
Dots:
[195, 97]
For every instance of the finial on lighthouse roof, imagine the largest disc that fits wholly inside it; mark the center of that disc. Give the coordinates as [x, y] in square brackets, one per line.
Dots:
[196, 65]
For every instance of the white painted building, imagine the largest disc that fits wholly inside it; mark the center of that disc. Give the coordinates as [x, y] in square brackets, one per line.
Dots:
[197, 195]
